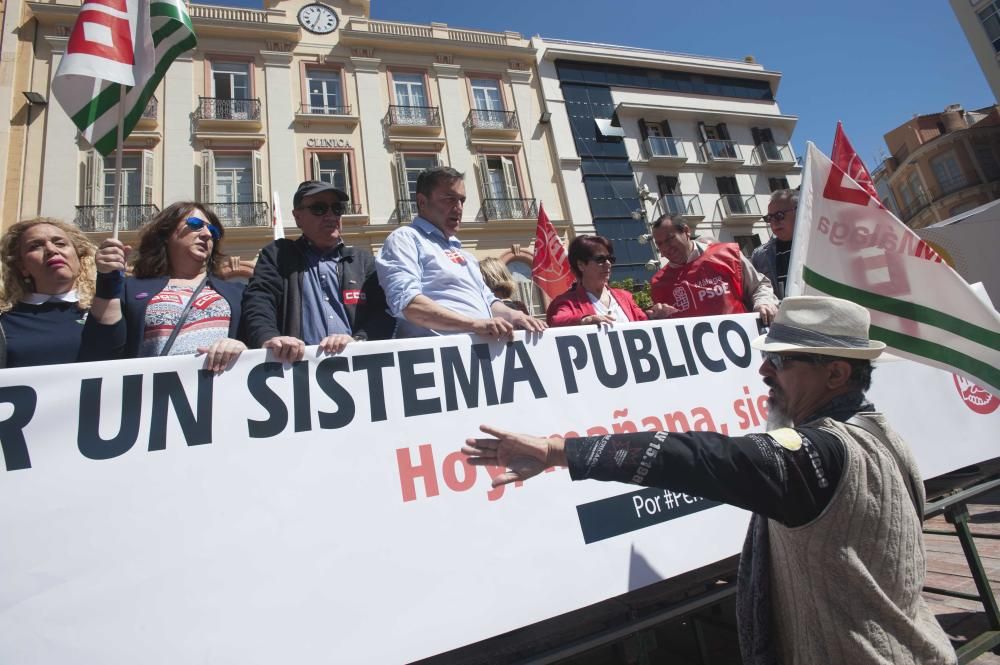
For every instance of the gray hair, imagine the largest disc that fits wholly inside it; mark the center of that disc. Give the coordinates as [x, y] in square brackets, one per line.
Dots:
[785, 195]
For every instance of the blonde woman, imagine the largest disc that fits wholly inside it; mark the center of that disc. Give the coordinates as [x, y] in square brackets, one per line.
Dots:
[48, 285]
[499, 280]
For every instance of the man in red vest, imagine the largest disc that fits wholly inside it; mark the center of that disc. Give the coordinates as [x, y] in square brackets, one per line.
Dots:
[702, 280]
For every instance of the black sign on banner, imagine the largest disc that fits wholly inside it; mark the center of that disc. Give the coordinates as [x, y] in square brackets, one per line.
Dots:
[624, 513]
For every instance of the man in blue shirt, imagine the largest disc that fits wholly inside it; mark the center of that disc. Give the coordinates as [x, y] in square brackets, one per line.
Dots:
[315, 289]
[432, 286]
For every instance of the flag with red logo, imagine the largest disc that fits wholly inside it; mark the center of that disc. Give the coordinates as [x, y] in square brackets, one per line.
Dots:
[848, 161]
[848, 246]
[118, 43]
[550, 266]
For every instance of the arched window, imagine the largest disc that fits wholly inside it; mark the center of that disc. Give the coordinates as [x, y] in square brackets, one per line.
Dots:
[527, 292]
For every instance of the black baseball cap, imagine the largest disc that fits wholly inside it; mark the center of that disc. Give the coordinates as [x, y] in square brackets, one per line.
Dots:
[313, 187]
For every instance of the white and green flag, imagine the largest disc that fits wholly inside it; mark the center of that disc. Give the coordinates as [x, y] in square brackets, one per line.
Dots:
[118, 43]
[846, 245]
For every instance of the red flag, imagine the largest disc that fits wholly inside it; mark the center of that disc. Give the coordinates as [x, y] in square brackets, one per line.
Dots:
[845, 157]
[550, 267]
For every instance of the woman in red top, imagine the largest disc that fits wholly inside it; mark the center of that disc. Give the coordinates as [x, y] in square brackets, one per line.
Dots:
[591, 300]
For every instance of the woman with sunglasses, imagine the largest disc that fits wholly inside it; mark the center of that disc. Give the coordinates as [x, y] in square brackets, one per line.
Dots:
[591, 300]
[175, 303]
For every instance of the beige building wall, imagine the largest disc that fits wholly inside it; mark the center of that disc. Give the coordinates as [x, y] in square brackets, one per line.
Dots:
[968, 14]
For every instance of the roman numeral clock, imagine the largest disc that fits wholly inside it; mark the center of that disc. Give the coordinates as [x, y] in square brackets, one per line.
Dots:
[318, 19]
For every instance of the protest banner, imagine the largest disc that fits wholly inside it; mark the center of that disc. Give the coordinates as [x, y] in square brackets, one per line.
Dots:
[321, 512]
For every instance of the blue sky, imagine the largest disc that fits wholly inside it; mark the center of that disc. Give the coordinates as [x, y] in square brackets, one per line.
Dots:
[872, 64]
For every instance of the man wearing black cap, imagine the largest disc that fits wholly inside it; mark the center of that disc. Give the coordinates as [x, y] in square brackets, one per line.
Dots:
[315, 289]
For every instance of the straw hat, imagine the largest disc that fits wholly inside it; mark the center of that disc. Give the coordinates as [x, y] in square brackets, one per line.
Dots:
[820, 325]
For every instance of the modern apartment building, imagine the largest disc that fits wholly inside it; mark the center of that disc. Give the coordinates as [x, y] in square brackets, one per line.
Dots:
[980, 20]
[941, 164]
[639, 133]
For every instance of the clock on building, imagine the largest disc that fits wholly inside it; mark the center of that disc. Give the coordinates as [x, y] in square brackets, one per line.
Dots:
[318, 19]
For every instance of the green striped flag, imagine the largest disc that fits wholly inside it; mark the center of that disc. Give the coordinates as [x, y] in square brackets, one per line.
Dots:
[118, 43]
[846, 245]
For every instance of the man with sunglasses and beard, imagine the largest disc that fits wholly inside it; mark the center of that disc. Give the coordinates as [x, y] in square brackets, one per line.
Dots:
[314, 290]
[771, 258]
[833, 565]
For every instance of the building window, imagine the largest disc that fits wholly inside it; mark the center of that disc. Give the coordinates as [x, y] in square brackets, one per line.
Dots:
[500, 188]
[948, 173]
[729, 192]
[232, 184]
[231, 91]
[747, 243]
[412, 102]
[324, 89]
[527, 291]
[989, 16]
[408, 167]
[987, 161]
[100, 193]
[334, 168]
[774, 184]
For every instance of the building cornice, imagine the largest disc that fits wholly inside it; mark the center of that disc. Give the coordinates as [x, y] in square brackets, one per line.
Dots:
[941, 141]
[436, 38]
[629, 109]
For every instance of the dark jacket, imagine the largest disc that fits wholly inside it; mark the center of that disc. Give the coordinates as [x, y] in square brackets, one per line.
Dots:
[124, 339]
[765, 260]
[272, 302]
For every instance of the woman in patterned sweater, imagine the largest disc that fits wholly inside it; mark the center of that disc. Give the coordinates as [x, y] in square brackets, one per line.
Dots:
[175, 303]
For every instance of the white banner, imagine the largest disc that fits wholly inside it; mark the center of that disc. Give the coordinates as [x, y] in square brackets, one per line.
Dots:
[321, 512]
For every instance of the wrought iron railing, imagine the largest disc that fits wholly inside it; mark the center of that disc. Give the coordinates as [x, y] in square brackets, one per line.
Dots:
[510, 209]
[663, 146]
[414, 116]
[739, 205]
[679, 205]
[909, 209]
[770, 152]
[151, 107]
[953, 183]
[102, 217]
[314, 109]
[721, 150]
[489, 119]
[245, 213]
[217, 108]
[352, 209]
[405, 210]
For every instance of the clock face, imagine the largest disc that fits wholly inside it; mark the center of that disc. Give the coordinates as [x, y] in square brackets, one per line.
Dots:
[318, 19]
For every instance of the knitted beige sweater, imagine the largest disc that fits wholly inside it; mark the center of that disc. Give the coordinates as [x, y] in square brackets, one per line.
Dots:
[846, 587]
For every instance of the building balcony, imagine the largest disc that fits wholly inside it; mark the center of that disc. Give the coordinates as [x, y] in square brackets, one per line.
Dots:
[242, 214]
[911, 208]
[101, 218]
[438, 37]
[954, 184]
[738, 208]
[312, 114]
[664, 150]
[509, 209]
[685, 207]
[774, 155]
[413, 120]
[485, 122]
[147, 121]
[725, 154]
[219, 113]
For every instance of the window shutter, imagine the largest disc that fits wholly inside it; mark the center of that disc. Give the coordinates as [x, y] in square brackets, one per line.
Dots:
[510, 177]
[757, 138]
[701, 131]
[665, 128]
[93, 187]
[258, 177]
[402, 188]
[643, 129]
[484, 178]
[147, 177]
[314, 160]
[346, 157]
[723, 131]
[207, 177]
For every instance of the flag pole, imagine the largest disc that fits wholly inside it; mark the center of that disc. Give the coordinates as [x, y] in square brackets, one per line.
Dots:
[118, 160]
[794, 281]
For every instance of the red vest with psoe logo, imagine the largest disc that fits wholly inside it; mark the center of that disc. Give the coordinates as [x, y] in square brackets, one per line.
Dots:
[711, 284]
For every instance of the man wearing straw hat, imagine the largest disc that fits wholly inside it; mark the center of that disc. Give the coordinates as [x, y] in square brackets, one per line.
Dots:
[833, 565]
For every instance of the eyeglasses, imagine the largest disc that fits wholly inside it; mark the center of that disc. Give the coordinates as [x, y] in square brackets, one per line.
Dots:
[196, 224]
[603, 258]
[778, 216]
[320, 209]
[780, 360]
